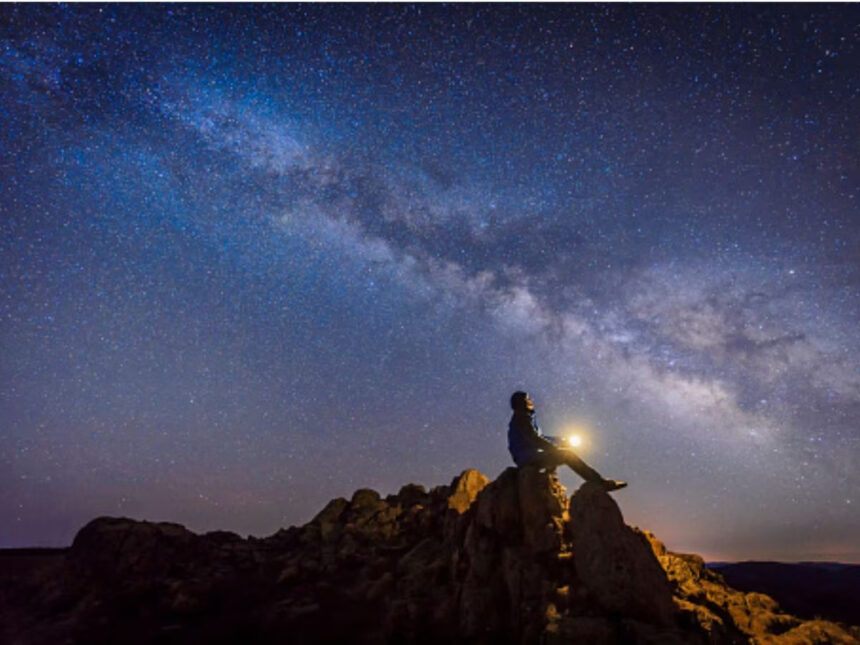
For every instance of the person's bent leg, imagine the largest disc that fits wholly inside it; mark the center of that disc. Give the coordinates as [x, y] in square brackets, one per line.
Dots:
[549, 459]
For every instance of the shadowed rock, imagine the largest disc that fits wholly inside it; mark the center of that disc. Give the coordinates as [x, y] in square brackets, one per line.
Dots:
[615, 562]
[478, 561]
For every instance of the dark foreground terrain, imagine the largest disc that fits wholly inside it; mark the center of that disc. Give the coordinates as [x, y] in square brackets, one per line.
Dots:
[806, 589]
[509, 561]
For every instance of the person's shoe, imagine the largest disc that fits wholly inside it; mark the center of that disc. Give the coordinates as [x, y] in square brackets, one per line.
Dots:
[610, 485]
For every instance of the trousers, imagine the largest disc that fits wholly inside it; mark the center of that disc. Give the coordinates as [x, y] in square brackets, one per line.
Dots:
[554, 457]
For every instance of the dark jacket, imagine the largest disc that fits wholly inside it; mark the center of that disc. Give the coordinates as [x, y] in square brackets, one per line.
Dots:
[525, 439]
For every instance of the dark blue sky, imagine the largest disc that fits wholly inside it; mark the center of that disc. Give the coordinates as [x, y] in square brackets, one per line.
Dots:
[255, 257]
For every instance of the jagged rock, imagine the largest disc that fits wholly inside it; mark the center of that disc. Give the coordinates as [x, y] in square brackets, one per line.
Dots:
[327, 519]
[615, 563]
[412, 494]
[543, 508]
[508, 561]
[465, 488]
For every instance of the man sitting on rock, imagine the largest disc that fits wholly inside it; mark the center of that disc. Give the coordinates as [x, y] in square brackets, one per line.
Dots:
[531, 448]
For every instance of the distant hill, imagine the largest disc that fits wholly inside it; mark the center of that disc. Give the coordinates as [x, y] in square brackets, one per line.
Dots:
[510, 561]
[807, 589]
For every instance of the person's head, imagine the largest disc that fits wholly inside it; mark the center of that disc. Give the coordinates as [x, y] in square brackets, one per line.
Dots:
[520, 402]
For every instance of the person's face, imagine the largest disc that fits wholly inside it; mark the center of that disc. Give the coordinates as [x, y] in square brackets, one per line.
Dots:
[529, 405]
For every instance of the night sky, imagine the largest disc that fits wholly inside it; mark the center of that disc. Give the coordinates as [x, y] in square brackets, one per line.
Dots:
[257, 257]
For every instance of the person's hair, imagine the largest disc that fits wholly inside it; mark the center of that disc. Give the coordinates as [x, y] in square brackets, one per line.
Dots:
[518, 400]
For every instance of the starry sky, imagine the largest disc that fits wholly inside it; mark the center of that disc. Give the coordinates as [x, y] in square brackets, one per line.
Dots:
[256, 257]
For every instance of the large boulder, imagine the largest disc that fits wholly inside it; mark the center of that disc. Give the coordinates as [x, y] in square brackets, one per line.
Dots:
[110, 549]
[614, 562]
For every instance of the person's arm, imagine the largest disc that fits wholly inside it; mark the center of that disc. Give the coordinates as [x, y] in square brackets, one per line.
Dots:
[533, 436]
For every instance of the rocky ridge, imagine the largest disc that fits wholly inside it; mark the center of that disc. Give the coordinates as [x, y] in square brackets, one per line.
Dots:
[509, 561]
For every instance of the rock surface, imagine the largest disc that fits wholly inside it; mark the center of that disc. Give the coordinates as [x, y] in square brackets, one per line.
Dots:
[508, 561]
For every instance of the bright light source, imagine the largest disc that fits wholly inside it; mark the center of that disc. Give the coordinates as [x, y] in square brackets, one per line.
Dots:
[574, 440]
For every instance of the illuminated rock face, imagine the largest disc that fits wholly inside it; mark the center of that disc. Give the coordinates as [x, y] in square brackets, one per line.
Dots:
[508, 561]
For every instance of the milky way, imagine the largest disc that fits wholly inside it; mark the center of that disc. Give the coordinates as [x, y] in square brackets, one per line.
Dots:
[254, 258]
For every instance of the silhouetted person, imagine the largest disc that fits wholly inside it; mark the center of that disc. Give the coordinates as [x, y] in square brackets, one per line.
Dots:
[531, 448]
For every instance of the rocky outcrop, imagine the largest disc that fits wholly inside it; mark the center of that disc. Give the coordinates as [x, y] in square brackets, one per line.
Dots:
[615, 562]
[508, 561]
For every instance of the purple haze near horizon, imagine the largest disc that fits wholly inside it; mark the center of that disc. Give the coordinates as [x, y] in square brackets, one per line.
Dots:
[254, 258]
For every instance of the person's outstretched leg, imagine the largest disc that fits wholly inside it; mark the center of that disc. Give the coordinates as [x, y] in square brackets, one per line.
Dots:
[580, 467]
[550, 459]
[588, 473]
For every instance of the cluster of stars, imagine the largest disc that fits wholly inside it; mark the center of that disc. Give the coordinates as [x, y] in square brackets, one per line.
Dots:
[258, 257]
